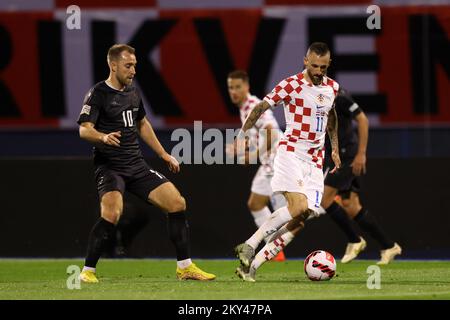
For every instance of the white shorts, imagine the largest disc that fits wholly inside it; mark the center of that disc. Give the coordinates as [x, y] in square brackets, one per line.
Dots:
[261, 182]
[292, 174]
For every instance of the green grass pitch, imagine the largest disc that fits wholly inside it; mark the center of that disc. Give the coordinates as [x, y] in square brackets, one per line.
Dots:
[155, 279]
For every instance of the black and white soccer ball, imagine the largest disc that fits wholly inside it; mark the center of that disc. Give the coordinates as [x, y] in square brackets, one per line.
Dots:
[320, 265]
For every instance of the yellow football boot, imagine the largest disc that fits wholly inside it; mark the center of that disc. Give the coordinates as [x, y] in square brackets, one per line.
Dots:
[87, 276]
[194, 273]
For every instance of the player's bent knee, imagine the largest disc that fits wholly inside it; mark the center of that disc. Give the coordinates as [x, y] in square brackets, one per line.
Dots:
[352, 211]
[346, 203]
[329, 196]
[179, 204]
[111, 206]
[295, 225]
[112, 216]
[298, 210]
[327, 202]
[255, 206]
[349, 207]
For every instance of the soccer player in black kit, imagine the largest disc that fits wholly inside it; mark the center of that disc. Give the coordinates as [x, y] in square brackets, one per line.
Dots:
[112, 118]
[346, 183]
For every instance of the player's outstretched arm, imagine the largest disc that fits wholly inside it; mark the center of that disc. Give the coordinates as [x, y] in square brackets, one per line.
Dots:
[248, 123]
[332, 129]
[147, 134]
[255, 114]
[90, 134]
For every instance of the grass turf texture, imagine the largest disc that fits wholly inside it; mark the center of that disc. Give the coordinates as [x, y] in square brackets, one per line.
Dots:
[155, 279]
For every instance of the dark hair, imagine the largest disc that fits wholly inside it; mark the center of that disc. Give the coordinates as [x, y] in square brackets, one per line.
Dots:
[115, 51]
[319, 48]
[239, 74]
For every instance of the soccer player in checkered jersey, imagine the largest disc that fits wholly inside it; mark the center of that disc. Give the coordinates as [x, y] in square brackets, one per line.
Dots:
[308, 99]
[112, 118]
[346, 183]
[264, 139]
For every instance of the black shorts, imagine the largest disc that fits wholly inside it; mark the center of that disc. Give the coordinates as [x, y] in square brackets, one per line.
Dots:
[139, 180]
[343, 179]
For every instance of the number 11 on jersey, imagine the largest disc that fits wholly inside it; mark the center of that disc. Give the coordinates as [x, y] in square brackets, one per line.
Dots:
[319, 127]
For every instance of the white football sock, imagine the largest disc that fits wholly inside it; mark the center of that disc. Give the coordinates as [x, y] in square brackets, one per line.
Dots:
[276, 220]
[182, 264]
[261, 216]
[88, 269]
[271, 249]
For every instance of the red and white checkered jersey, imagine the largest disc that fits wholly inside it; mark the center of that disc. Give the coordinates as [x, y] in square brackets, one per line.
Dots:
[306, 108]
[266, 119]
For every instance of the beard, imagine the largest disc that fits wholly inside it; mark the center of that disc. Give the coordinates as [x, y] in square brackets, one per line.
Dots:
[316, 79]
[124, 81]
[128, 81]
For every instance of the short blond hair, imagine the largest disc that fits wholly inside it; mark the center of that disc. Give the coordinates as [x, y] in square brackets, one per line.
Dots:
[116, 50]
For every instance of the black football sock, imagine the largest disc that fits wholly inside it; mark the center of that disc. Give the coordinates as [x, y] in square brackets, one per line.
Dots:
[369, 224]
[178, 229]
[101, 234]
[339, 216]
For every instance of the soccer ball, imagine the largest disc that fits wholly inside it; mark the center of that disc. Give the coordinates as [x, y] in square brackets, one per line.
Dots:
[319, 265]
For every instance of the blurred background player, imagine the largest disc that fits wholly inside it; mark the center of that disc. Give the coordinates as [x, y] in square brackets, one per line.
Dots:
[112, 118]
[263, 142]
[347, 180]
[308, 99]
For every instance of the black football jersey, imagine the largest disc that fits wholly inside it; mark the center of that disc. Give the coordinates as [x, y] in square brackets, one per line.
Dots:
[347, 109]
[113, 110]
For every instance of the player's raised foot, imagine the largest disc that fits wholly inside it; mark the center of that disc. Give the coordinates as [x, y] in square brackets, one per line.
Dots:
[353, 249]
[280, 257]
[194, 273]
[245, 274]
[88, 276]
[245, 254]
[389, 254]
